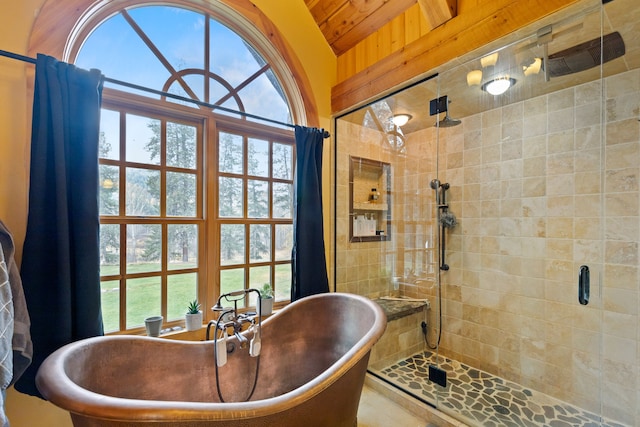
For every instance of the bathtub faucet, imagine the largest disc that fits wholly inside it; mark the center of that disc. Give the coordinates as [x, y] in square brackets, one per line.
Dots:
[230, 318]
[241, 339]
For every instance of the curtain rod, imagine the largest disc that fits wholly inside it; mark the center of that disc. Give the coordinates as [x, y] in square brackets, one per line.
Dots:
[167, 94]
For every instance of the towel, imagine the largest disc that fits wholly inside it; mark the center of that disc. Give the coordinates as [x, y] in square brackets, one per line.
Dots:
[6, 335]
[21, 340]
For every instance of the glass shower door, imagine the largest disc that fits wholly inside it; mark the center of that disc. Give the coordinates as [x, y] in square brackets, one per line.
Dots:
[399, 269]
[542, 180]
[523, 334]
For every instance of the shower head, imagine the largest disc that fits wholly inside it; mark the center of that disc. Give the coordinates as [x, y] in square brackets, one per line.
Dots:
[435, 183]
[447, 122]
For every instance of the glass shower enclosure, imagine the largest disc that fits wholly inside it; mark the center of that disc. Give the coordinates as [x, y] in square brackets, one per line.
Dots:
[503, 245]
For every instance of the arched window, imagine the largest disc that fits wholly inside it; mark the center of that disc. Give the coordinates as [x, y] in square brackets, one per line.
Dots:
[188, 53]
[195, 200]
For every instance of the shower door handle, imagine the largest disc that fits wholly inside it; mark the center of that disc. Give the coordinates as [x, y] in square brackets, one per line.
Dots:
[584, 285]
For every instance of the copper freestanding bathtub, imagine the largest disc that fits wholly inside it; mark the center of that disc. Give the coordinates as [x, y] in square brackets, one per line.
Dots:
[311, 372]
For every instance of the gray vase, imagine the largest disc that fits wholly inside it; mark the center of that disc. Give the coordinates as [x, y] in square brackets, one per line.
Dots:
[153, 325]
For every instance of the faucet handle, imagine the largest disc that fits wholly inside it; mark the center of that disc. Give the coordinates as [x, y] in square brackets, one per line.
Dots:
[221, 350]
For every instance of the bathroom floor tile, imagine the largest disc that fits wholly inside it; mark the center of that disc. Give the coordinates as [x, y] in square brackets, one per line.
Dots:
[482, 399]
[376, 410]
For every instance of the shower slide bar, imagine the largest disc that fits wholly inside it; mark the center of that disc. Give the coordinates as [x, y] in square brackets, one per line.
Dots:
[445, 218]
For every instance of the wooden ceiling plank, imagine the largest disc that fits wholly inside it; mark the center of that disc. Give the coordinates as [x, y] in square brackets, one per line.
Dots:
[413, 27]
[323, 10]
[352, 13]
[359, 19]
[438, 12]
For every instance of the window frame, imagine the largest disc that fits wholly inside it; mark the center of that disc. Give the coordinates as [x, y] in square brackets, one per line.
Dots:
[273, 135]
[207, 218]
[64, 38]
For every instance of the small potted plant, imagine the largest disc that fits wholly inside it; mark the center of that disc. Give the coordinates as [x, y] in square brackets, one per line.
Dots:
[193, 318]
[266, 300]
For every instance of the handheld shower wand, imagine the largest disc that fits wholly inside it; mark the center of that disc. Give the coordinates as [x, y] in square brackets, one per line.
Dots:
[435, 184]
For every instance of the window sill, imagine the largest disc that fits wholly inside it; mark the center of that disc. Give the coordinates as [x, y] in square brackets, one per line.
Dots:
[197, 335]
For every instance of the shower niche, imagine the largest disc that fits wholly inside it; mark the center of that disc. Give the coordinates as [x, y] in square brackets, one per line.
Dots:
[369, 200]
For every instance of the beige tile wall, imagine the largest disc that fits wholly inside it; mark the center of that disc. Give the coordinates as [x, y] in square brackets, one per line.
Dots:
[537, 194]
[541, 196]
[368, 268]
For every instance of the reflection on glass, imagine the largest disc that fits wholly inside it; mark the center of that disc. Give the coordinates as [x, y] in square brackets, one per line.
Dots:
[110, 304]
[181, 290]
[257, 199]
[181, 145]
[282, 200]
[181, 194]
[258, 154]
[109, 249]
[284, 241]
[144, 246]
[109, 190]
[282, 161]
[142, 192]
[260, 243]
[143, 139]
[230, 153]
[230, 197]
[231, 244]
[182, 246]
[143, 300]
[109, 147]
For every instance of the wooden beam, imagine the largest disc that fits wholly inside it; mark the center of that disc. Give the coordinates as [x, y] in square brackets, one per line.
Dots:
[438, 12]
[468, 31]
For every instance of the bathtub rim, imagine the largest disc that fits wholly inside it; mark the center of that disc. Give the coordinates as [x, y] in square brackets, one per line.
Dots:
[63, 392]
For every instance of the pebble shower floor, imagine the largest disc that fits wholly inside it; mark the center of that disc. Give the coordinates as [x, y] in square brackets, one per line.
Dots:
[483, 399]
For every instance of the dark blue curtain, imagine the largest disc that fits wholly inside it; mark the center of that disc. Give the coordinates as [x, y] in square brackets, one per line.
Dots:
[308, 263]
[60, 262]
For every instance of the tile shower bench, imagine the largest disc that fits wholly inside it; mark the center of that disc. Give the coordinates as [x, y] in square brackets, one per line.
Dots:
[403, 336]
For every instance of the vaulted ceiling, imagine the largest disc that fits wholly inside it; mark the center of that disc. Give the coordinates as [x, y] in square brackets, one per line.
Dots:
[344, 23]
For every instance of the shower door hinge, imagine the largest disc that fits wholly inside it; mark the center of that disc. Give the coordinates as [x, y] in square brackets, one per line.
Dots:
[544, 35]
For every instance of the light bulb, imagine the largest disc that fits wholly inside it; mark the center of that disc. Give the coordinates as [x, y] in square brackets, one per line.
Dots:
[498, 86]
[401, 119]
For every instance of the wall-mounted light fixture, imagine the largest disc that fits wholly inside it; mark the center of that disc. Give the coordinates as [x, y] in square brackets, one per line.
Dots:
[474, 78]
[489, 60]
[401, 119]
[532, 67]
[499, 85]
